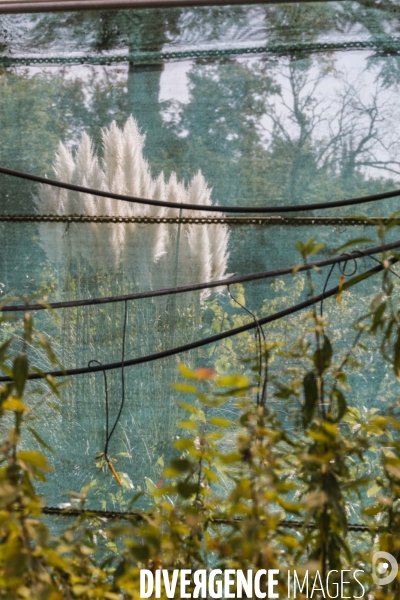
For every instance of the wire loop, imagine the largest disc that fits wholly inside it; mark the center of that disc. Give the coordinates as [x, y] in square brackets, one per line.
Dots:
[109, 434]
[259, 332]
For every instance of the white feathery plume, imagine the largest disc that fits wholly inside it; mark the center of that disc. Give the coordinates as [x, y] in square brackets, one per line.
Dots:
[176, 192]
[147, 191]
[161, 239]
[64, 167]
[113, 147]
[153, 255]
[134, 162]
[168, 262]
[123, 257]
[198, 235]
[84, 159]
[55, 200]
[199, 193]
[64, 163]
[219, 239]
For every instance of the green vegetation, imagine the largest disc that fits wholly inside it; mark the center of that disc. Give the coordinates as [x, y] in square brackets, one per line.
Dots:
[239, 472]
[227, 481]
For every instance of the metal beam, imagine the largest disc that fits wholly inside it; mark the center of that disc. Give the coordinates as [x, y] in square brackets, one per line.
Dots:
[34, 6]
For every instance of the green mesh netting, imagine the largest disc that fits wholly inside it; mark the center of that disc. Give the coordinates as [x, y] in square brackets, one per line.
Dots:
[277, 104]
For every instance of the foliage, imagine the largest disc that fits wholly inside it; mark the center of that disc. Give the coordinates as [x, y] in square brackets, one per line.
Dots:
[244, 489]
[311, 452]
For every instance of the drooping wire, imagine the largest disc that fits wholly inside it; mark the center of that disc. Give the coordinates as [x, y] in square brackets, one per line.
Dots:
[201, 207]
[380, 263]
[208, 340]
[258, 333]
[122, 377]
[342, 268]
[109, 434]
[105, 394]
[199, 286]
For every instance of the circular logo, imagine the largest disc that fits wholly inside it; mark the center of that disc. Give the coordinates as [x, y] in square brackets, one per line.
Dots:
[380, 568]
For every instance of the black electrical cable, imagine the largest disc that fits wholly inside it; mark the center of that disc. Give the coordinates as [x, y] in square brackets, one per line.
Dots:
[201, 207]
[122, 382]
[354, 271]
[343, 273]
[380, 263]
[202, 286]
[34, 6]
[109, 435]
[258, 335]
[208, 340]
[105, 397]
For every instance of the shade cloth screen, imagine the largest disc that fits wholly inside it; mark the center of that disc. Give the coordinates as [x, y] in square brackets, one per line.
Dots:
[275, 104]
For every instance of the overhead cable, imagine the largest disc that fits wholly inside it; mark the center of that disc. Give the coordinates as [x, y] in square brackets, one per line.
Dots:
[208, 340]
[202, 286]
[34, 6]
[201, 207]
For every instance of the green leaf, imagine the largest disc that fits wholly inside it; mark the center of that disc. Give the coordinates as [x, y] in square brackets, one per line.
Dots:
[311, 397]
[372, 492]
[152, 489]
[188, 407]
[284, 391]
[186, 372]
[20, 372]
[187, 489]
[185, 387]
[239, 381]
[334, 495]
[199, 416]
[396, 356]
[28, 326]
[220, 422]
[39, 439]
[48, 349]
[183, 444]
[15, 404]
[341, 405]
[322, 357]
[141, 553]
[372, 511]
[377, 317]
[34, 458]
[3, 349]
[180, 465]
[354, 242]
[80, 589]
[309, 247]
[126, 481]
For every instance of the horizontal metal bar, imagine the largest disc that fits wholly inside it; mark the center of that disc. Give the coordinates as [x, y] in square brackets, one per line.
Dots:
[32, 6]
[141, 516]
[268, 221]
